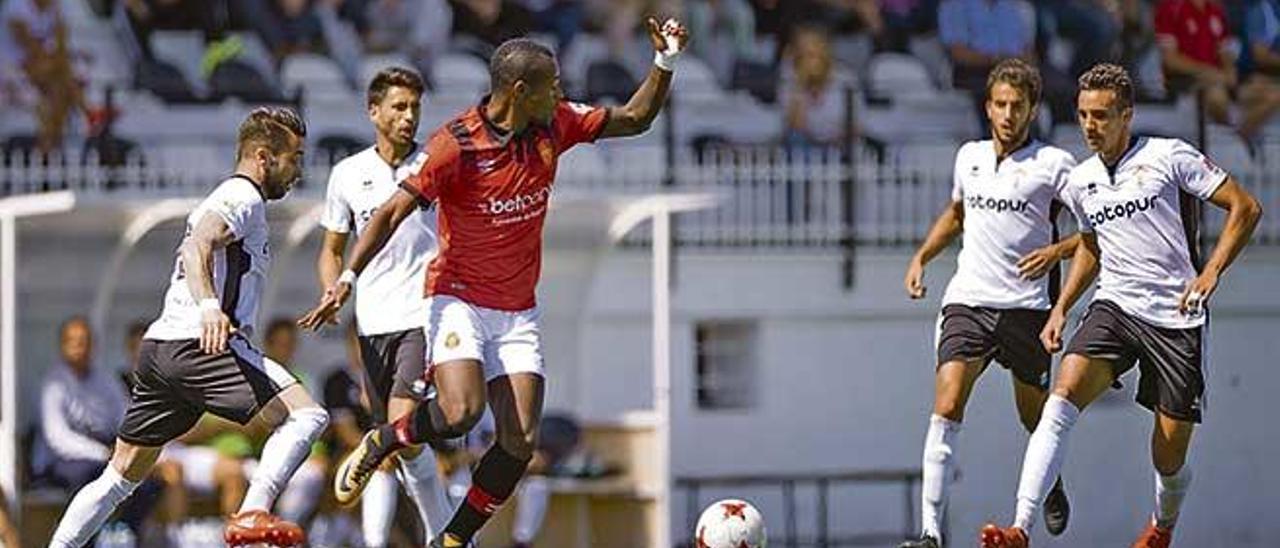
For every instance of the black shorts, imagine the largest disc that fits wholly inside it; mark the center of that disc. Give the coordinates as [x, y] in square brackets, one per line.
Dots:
[176, 383]
[1170, 361]
[1009, 336]
[394, 364]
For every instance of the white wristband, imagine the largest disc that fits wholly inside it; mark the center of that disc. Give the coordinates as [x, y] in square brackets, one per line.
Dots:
[210, 304]
[665, 61]
[348, 277]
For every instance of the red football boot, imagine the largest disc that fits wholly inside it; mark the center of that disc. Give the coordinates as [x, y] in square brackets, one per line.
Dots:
[260, 527]
[1011, 537]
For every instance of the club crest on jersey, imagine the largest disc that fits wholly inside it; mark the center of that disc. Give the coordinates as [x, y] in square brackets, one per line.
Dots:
[545, 152]
[452, 341]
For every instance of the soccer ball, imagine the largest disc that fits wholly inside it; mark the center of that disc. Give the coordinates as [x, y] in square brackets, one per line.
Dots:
[730, 523]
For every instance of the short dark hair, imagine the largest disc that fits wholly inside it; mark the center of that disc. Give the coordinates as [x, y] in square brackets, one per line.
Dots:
[270, 127]
[77, 319]
[1108, 76]
[1019, 74]
[519, 59]
[280, 324]
[393, 77]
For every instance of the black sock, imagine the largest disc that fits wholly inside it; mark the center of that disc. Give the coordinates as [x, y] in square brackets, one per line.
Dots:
[494, 480]
[421, 427]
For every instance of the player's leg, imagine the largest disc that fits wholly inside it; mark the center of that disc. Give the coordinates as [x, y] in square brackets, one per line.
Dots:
[965, 343]
[455, 339]
[378, 503]
[531, 509]
[419, 471]
[95, 502]
[1171, 385]
[514, 371]
[156, 416]
[516, 401]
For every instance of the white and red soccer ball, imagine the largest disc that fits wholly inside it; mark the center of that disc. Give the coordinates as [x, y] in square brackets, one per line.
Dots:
[730, 523]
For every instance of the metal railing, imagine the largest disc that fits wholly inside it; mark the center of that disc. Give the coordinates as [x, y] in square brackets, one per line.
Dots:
[787, 532]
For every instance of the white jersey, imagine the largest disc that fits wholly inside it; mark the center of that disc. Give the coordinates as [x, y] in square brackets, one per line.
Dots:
[390, 294]
[1006, 216]
[1136, 212]
[239, 269]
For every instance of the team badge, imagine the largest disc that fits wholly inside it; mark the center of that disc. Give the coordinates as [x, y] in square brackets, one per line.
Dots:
[545, 151]
[451, 341]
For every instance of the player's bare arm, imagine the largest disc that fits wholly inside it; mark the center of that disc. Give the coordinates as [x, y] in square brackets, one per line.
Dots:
[1084, 268]
[329, 262]
[208, 236]
[380, 228]
[1037, 263]
[1243, 212]
[669, 39]
[944, 230]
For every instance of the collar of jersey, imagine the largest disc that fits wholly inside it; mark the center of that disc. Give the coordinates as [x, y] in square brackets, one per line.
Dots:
[1128, 151]
[498, 132]
[256, 185]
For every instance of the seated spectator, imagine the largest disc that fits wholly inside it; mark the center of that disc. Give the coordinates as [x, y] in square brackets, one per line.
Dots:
[490, 22]
[813, 91]
[1192, 37]
[563, 18]
[1092, 27]
[782, 17]
[621, 19]
[904, 19]
[419, 29]
[726, 31]
[285, 26]
[81, 408]
[979, 33]
[33, 44]
[144, 17]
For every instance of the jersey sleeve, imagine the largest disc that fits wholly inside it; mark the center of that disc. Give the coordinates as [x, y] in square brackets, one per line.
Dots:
[575, 123]
[1062, 175]
[1194, 172]
[1166, 25]
[432, 169]
[234, 201]
[337, 215]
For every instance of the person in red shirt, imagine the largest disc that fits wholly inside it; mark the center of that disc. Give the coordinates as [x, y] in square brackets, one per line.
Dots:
[1192, 35]
[491, 172]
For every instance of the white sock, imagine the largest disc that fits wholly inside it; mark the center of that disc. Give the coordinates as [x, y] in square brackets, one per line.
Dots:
[1170, 490]
[91, 507]
[378, 509]
[421, 478]
[302, 494]
[531, 508]
[938, 466]
[1043, 461]
[287, 447]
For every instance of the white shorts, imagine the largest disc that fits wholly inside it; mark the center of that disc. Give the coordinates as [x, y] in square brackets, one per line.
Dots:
[505, 342]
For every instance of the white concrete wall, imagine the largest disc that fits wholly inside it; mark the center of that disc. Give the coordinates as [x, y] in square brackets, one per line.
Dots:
[846, 378]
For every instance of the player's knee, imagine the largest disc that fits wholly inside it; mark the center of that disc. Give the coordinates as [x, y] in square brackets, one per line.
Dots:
[520, 444]
[313, 417]
[1168, 462]
[462, 413]
[949, 407]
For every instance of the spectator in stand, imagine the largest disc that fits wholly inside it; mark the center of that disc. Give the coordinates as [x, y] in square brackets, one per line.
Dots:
[979, 33]
[726, 31]
[1192, 36]
[812, 94]
[1092, 27]
[80, 412]
[620, 19]
[904, 19]
[782, 17]
[419, 29]
[33, 44]
[143, 17]
[562, 18]
[285, 26]
[489, 23]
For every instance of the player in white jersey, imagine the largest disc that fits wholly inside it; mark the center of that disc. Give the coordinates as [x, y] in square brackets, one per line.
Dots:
[197, 358]
[1003, 200]
[1150, 304]
[390, 307]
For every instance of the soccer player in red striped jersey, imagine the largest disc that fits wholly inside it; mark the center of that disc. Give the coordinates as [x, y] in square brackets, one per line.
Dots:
[490, 171]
